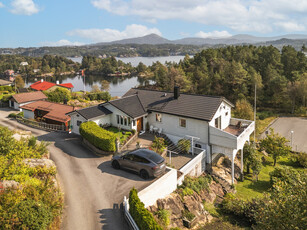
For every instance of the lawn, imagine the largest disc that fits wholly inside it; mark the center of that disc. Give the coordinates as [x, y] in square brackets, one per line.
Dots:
[123, 135]
[249, 189]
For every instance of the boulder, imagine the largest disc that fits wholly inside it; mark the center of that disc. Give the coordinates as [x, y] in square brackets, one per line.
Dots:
[38, 162]
[9, 184]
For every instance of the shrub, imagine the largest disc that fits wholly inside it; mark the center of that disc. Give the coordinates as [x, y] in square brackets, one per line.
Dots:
[300, 159]
[158, 145]
[6, 88]
[59, 95]
[98, 137]
[163, 216]
[184, 145]
[32, 142]
[285, 174]
[143, 218]
[12, 115]
[188, 215]
[21, 114]
[195, 184]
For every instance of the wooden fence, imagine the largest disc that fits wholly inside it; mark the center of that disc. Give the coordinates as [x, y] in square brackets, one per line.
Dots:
[40, 125]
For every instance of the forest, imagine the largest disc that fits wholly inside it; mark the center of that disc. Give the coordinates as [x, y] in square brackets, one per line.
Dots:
[280, 76]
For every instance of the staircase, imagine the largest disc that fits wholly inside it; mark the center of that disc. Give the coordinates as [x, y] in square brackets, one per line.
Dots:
[170, 145]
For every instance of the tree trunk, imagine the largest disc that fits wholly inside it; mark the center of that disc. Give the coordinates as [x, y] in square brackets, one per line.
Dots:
[247, 169]
[274, 162]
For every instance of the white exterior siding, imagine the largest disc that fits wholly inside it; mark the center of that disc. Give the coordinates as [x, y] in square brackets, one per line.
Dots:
[28, 114]
[113, 118]
[74, 122]
[102, 120]
[170, 126]
[222, 111]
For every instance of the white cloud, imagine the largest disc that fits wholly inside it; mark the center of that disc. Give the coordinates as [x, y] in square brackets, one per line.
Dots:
[213, 34]
[238, 15]
[1, 5]
[107, 35]
[24, 7]
[62, 42]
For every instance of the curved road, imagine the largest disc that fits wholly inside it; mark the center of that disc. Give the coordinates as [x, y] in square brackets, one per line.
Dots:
[93, 189]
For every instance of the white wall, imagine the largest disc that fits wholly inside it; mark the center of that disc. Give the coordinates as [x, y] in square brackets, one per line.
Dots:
[159, 189]
[113, 117]
[28, 114]
[74, 118]
[102, 120]
[170, 127]
[221, 111]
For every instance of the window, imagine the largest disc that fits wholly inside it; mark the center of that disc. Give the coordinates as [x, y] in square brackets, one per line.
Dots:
[129, 121]
[198, 146]
[182, 122]
[129, 157]
[79, 123]
[218, 122]
[118, 119]
[226, 114]
[121, 120]
[125, 120]
[140, 159]
[158, 117]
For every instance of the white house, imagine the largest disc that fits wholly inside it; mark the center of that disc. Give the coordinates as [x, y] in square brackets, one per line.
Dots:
[21, 99]
[207, 118]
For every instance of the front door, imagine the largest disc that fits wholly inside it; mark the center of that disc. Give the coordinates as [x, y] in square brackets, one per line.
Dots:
[139, 124]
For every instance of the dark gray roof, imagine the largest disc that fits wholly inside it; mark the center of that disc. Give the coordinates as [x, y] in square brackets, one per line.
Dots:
[93, 111]
[130, 105]
[187, 105]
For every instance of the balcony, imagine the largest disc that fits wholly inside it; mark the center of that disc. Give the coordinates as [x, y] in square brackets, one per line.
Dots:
[234, 136]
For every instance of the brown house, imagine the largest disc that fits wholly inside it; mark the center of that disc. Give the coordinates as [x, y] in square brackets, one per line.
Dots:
[48, 112]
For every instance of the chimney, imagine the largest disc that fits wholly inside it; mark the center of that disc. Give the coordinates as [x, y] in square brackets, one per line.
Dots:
[176, 92]
[57, 82]
[42, 80]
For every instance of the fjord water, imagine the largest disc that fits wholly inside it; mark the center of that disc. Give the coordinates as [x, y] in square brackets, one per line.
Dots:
[118, 85]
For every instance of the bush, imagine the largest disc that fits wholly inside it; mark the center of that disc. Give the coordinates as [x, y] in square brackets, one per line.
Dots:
[12, 115]
[285, 174]
[300, 159]
[32, 142]
[184, 145]
[33, 215]
[98, 137]
[195, 184]
[6, 88]
[143, 218]
[163, 216]
[59, 95]
[21, 114]
[158, 145]
[188, 215]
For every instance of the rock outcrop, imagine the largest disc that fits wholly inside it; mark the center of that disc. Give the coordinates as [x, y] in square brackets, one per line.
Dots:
[38, 162]
[176, 204]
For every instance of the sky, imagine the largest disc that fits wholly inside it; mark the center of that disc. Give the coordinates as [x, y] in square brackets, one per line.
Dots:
[33, 23]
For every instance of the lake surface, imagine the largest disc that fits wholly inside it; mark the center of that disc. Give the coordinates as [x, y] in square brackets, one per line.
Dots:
[145, 60]
[118, 85]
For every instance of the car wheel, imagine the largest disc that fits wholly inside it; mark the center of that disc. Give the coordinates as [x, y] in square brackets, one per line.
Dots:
[115, 165]
[144, 174]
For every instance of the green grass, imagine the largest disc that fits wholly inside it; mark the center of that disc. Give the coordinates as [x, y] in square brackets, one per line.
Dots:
[120, 134]
[249, 189]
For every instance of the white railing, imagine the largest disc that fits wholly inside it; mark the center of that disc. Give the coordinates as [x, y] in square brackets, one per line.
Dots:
[40, 125]
[221, 138]
[128, 216]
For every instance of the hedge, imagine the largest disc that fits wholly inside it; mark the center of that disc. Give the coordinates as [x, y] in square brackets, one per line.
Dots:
[98, 136]
[6, 88]
[143, 218]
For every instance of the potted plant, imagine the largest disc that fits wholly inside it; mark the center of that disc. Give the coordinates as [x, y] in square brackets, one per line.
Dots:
[188, 218]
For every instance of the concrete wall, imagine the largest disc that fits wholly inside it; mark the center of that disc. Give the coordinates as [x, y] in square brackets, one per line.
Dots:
[159, 189]
[222, 111]
[170, 127]
[28, 114]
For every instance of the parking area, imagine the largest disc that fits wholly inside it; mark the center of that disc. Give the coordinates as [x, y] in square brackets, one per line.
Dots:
[93, 189]
[294, 129]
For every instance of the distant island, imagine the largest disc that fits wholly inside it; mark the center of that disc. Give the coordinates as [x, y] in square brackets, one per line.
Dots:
[153, 45]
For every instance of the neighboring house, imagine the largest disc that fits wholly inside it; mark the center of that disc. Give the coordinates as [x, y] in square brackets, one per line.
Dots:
[49, 86]
[205, 118]
[49, 112]
[4, 82]
[21, 99]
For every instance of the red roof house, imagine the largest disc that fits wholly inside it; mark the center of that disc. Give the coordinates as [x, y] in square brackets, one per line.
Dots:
[49, 86]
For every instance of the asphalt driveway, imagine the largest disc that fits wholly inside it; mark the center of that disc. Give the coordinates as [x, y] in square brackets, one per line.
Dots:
[284, 126]
[93, 189]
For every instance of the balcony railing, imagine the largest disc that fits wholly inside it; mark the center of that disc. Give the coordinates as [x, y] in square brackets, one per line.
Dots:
[234, 136]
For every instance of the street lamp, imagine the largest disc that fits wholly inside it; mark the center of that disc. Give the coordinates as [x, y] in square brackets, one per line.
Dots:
[292, 138]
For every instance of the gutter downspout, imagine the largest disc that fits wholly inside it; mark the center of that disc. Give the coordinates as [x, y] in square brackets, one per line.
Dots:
[210, 147]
